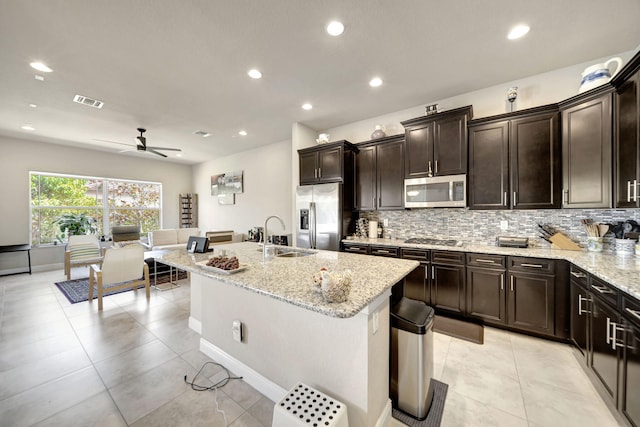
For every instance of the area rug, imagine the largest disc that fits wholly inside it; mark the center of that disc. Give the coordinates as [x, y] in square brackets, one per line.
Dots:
[78, 290]
[434, 416]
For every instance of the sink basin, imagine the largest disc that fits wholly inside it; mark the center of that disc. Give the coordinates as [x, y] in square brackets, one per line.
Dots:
[293, 254]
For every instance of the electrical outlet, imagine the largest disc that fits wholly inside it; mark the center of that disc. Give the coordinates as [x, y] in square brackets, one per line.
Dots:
[385, 222]
[504, 225]
[236, 330]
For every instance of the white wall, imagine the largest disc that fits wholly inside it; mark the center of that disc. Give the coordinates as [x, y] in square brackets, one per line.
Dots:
[266, 190]
[18, 157]
[533, 91]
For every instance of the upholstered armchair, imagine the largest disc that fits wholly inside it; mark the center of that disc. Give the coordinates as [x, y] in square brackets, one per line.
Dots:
[81, 250]
[121, 268]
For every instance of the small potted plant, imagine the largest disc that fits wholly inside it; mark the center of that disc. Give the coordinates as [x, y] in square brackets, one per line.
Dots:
[75, 224]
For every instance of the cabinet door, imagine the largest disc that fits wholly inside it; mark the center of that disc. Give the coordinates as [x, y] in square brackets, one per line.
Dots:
[530, 302]
[447, 287]
[535, 162]
[419, 151]
[366, 179]
[604, 359]
[489, 166]
[416, 284]
[390, 183]
[485, 294]
[631, 365]
[308, 168]
[579, 308]
[586, 154]
[450, 146]
[330, 165]
[627, 139]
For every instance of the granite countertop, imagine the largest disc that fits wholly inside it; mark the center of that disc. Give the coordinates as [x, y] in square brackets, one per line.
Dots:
[623, 272]
[291, 279]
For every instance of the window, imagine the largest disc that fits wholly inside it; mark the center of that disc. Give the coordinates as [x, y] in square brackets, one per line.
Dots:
[108, 201]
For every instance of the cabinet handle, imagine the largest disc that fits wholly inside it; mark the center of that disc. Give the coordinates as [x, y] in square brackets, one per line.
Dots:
[379, 201]
[614, 334]
[578, 274]
[504, 202]
[531, 265]
[502, 281]
[315, 173]
[433, 272]
[373, 201]
[635, 190]
[382, 251]
[628, 191]
[634, 313]
[602, 289]
[436, 162]
[565, 196]
[580, 310]
[429, 171]
[515, 199]
[487, 261]
[608, 331]
[319, 173]
[511, 283]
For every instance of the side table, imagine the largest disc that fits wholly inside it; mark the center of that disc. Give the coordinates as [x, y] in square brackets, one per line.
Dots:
[18, 248]
[151, 258]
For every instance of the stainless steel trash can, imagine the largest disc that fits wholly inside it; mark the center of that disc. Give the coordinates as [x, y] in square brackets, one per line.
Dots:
[412, 357]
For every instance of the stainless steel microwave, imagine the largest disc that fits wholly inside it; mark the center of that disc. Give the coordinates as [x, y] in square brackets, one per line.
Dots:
[448, 191]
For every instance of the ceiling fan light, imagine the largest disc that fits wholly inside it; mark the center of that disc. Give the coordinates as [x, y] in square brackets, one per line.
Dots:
[40, 67]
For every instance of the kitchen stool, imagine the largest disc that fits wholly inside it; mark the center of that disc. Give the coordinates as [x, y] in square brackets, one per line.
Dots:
[305, 406]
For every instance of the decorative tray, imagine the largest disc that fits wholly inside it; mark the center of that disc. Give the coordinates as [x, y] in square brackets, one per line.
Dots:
[204, 265]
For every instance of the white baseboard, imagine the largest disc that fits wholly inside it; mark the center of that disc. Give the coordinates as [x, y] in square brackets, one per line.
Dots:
[251, 377]
[195, 325]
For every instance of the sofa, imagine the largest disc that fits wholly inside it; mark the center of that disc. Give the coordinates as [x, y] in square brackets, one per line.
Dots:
[172, 238]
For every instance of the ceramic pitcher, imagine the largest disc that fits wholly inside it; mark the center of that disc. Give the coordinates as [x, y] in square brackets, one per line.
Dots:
[598, 74]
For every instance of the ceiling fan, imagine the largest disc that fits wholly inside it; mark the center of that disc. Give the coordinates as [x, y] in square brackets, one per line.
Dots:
[142, 145]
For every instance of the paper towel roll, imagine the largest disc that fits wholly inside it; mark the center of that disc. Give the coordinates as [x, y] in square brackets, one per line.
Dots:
[373, 229]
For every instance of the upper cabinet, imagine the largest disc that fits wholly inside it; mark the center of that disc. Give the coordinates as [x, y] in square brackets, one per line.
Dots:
[627, 139]
[514, 160]
[333, 162]
[437, 144]
[586, 149]
[380, 174]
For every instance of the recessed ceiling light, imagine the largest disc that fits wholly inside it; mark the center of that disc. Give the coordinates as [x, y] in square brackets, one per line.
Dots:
[375, 82]
[41, 67]
[254, 74]
[28, 127]
[335, 28]
[38, 77]
[307, 106]
[518, 31]
[202, 133]
[178, 154]
[33, 105]
[242, 133]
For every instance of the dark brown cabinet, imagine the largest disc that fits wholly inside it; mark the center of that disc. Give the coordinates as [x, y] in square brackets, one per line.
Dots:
[486, 288]
[437, 144]
[530, 302]
[356, 248]
[448, 281]
[627, 141]
[333, 162]
[380, 174]
[586, 150]
[502, 174]
[630, 393]
[579, 311]
[417, 283]
[603, 355]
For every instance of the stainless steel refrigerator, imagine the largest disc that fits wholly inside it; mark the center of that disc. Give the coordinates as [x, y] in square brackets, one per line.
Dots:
[322, 219]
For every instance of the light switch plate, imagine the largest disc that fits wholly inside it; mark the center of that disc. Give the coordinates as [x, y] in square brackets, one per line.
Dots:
[236, 329]
[504, 225]
[385, 222]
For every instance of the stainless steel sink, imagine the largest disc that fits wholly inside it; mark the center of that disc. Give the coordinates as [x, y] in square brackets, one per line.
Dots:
[293, 254]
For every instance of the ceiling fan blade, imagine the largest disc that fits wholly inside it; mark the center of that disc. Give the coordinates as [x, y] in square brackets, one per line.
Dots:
[126, 151]
[164, 148]
[151, 150]
[113, 142]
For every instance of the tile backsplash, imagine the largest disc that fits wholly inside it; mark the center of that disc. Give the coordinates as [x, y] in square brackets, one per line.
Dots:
[482, 227]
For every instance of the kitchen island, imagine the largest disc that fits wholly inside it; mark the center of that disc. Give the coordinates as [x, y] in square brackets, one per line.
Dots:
[290, 333]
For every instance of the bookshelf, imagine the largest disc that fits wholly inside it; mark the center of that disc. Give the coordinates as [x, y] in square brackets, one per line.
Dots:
[188, 210]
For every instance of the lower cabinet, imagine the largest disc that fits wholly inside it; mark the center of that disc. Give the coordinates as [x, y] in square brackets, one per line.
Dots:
[417, 283]
[579, 311]
[530, 302]
[486, 298]
[630, 400]
[604, 354]
[448, 281]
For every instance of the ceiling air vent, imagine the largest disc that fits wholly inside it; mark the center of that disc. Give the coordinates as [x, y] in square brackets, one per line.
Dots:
[88, 101]
[202, 133]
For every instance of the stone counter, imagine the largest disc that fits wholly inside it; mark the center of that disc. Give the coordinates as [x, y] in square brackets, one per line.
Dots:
[623, 272]
[291, 279]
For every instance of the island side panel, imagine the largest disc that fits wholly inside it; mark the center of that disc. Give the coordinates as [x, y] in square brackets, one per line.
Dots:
[286, 344]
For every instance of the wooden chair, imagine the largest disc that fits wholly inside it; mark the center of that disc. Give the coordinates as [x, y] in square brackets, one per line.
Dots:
[121, 267]
[81, 250]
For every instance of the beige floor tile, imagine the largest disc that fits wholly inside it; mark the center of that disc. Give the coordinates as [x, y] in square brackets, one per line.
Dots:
[495, 357]
[247, 420]
[241, 392]
[13, 356]
[116, 338]
[97, 411]
[262, 411]
[461, 411]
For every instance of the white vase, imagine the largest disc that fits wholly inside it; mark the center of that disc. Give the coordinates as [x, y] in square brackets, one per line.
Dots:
[379, 132]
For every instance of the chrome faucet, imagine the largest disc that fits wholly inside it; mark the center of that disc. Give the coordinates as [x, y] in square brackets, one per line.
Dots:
[265, 235]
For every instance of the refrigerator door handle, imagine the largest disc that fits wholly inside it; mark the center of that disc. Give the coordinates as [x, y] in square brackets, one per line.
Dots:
[312, 225]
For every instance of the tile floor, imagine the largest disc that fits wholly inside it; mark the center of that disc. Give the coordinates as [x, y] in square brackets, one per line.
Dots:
[66, 364]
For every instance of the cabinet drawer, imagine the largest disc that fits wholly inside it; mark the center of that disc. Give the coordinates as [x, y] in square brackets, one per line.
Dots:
[417, 254]
[531, 265]
[355, 248]
[484, 260]
[631, 309]
[579, 276]
[444, 257]
[385, 251]
[604, 291]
